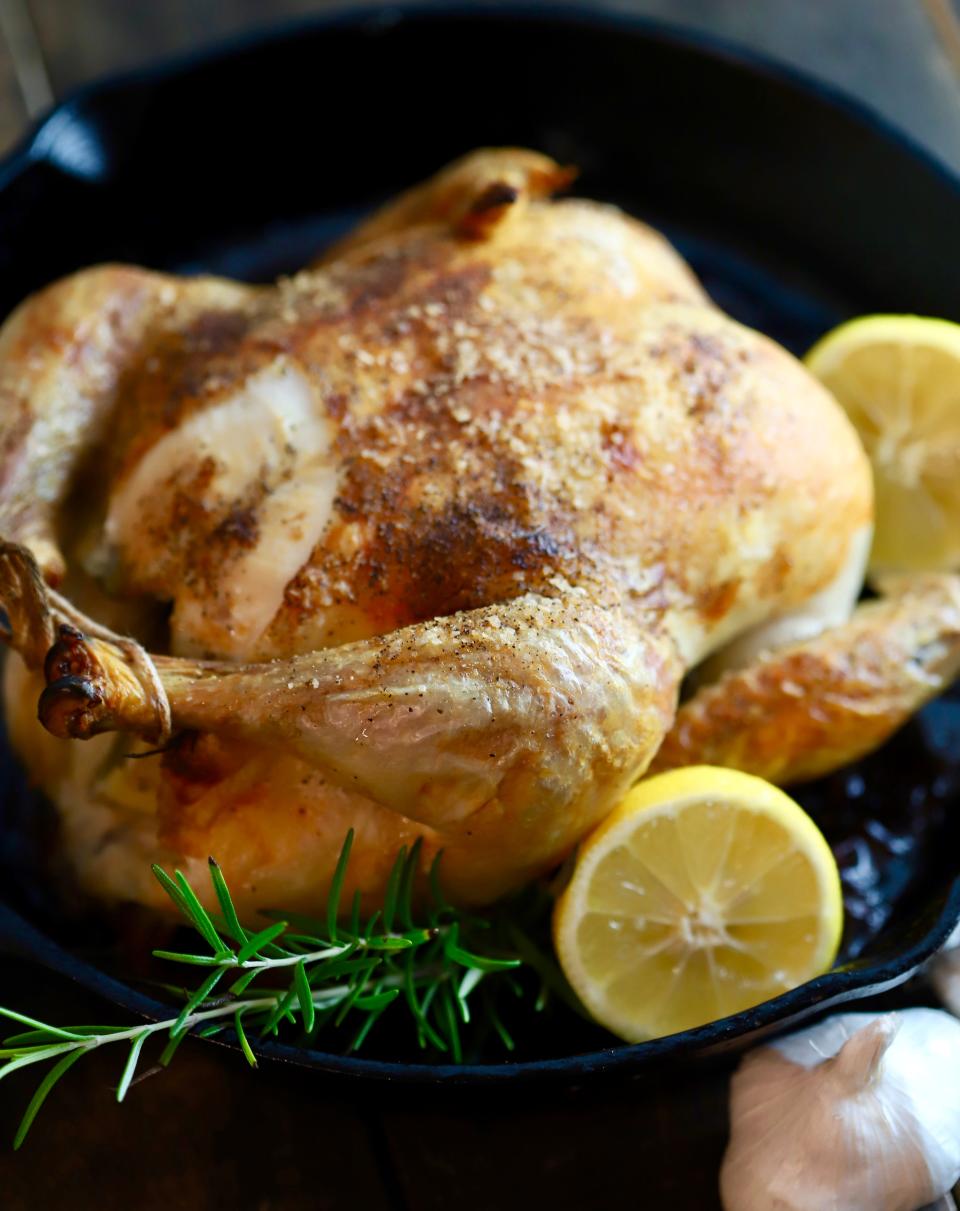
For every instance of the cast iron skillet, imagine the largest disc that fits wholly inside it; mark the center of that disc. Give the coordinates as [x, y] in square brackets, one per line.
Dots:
[795, 206]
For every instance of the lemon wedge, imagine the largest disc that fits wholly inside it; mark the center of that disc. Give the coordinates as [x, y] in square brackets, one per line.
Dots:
[898, 377]
[705, 892]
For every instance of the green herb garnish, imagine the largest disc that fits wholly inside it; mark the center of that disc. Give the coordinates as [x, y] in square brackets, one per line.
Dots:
[334, 971]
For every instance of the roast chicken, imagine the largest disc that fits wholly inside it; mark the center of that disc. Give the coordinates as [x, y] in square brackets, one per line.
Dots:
[422, 542]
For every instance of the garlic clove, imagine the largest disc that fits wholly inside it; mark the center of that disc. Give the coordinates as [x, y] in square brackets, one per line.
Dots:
[858, 1113]
[859, 1061]
[944, 972]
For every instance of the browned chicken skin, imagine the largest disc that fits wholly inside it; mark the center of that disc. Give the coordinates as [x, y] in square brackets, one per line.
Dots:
[442, 522]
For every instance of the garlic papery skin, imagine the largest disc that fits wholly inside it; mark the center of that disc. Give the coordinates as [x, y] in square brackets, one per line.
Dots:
[944, 972]
[858, 1113]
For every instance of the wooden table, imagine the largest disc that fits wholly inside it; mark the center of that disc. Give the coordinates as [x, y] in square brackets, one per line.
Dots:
[208, 1132]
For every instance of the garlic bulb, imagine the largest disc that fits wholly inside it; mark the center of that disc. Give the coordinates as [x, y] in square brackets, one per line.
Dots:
[944, 972]
[858, 1113]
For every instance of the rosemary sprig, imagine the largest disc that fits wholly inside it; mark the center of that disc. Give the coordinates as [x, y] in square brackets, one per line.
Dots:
[333, 971]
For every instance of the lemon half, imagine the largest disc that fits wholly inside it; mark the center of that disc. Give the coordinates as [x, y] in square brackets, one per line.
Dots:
[898, 378]
[705, 892]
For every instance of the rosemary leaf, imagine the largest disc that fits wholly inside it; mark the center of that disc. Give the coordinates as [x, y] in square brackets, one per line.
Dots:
[470, 979]
[48, 1082]
[405, 897]
[240, 985]
[15, 1041]
[256, 943]
[131, 1065]
[242, 1038]
[425, 1031]
[358, 984]
[377, 1000]
[546, 968]
[336, 886]
[44, 1026]
[371, 1020]
[172, 890]
[305, 996]
[35, 1056]
[427, 960]
[336, 969]
[456, 954]
[279, 1011]
[497, 1022]
[196, 999]
[15, 1052]
[184, 897]
[199, 915]
[193, 960]
[231, 920]
[168, 1052]
[449, 1013]
[390, 942]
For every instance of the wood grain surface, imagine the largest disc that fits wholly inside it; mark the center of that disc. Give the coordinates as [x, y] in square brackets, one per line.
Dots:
[902, 57]
[208, 1133]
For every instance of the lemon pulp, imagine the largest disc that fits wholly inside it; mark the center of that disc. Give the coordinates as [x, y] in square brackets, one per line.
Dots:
[707, 891]
[898, 378]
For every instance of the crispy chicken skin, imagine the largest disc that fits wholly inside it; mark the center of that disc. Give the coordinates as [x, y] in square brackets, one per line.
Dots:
[809, 708]
[441, 523]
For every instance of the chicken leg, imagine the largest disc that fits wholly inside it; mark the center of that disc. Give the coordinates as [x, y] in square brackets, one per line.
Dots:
[530, 717]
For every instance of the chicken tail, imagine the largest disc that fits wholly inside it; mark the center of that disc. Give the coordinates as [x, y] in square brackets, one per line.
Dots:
[472, 196]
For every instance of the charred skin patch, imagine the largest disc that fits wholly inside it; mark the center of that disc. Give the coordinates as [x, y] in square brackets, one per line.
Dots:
[77, 702]
[451, 521]
[69, 656]
[72, 704]
[71, 708]
[239, 527]
[467, 556]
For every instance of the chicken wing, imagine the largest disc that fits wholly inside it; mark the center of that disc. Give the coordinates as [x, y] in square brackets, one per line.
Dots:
[809, 708]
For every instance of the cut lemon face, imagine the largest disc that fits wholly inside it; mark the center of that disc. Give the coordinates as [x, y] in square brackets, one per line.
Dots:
[898, 377]
[705, 892]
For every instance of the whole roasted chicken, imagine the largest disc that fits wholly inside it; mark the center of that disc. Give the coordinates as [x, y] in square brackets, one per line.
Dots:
[422, 542]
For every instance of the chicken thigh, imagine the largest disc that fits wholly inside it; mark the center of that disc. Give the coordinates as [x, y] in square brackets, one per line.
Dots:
[432, 533]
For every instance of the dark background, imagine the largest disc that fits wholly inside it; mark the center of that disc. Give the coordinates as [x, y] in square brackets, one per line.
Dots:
[208, 1132]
